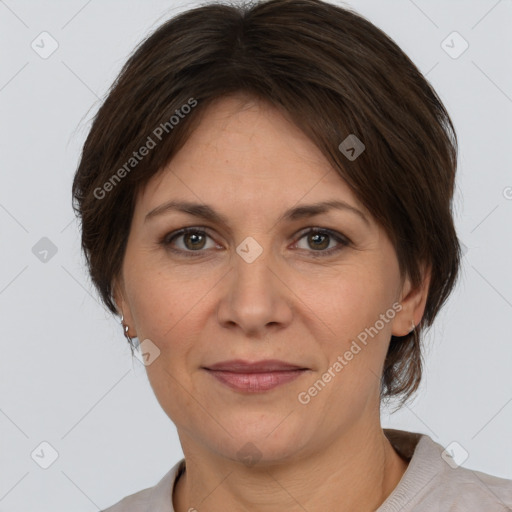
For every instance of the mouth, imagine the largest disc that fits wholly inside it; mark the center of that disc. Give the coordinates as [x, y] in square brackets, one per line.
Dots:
[255, 377]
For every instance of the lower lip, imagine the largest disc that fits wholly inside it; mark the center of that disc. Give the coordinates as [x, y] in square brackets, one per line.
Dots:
[255, 382]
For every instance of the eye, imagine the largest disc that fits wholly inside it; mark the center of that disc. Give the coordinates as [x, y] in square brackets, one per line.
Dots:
[192, 240]
[187, 241]
[320, 241]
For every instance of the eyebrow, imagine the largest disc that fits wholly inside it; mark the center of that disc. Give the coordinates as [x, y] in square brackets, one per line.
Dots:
[206, 212]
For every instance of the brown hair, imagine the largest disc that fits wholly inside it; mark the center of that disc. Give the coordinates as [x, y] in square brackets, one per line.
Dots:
[333, 73]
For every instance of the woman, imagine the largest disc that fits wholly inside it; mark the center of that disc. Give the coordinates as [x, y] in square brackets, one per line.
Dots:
[265, 198]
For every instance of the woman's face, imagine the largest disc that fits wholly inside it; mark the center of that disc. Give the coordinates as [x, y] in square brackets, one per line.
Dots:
[254, 283]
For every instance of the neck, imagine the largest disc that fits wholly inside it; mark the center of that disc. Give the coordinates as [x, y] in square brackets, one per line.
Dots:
[357, 472]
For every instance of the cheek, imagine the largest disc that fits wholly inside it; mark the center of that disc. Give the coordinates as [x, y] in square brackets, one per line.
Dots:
[347, 320]
[169, 309]
[163, 302]
[348, 301]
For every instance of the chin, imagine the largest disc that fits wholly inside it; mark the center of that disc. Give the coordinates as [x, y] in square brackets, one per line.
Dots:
[258, 439]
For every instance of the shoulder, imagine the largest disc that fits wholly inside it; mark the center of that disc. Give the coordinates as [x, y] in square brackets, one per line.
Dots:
[433, 481]
[470, 490]
[153, 499]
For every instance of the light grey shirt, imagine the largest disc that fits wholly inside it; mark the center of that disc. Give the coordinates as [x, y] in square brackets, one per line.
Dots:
[431, 483]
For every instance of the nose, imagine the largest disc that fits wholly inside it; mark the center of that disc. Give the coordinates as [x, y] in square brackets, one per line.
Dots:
[255, 299]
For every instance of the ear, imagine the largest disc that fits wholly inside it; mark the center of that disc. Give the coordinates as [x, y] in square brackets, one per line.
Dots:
[413, 304]
[123, 308]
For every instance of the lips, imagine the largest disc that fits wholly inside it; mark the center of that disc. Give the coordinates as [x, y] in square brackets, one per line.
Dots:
[265, 366]
[255, 377]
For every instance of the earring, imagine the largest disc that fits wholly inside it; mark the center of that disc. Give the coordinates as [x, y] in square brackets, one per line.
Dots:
[412, 327]
[126, 328]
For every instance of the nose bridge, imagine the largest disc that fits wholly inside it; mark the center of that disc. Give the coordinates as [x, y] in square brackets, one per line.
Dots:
[252, 266]
[255, 297]
[252, 273]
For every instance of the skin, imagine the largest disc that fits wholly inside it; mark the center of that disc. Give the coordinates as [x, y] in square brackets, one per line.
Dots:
[250, 164]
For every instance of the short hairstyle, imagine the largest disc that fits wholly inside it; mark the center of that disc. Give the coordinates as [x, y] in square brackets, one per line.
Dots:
[332, 73]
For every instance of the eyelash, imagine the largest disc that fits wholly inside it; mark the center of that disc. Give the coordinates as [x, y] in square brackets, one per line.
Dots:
[169, 238]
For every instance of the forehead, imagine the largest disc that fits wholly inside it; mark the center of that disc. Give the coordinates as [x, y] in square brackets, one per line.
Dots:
[245, 150]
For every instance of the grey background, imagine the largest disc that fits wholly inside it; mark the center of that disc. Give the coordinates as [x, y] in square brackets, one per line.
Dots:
[66, 373]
